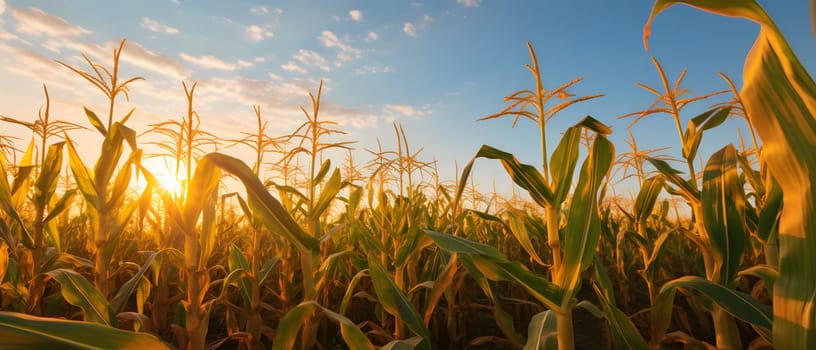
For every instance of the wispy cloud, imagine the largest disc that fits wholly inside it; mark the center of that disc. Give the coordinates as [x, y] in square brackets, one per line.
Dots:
[2, 6]
[347, 52]
[155, 26]
[36, 22]
[469, 3]
[411, 29]
[368, 69]
[257, 33]
[208, 61]
[396, 111]
[312, 58]
[371, 36]
[259, 10]
[356, 15]
[293, 67]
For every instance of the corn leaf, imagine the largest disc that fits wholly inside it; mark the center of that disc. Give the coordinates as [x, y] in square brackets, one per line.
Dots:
[562, 164]
[83, 176]
[541, 332]
[266, 207]
[582, 232]
[494, 266]
[20, 331]
[723, 205]
[647, 197]
[780, 97]
[393, 300]
[526, 176]
[737, 303]
[235, 261]
[46, 184]
[79, 292]
[290, 325]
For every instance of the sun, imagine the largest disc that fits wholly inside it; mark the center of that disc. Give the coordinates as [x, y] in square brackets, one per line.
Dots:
[164, 175]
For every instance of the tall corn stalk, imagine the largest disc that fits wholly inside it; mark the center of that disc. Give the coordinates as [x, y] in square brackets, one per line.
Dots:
[106, 200]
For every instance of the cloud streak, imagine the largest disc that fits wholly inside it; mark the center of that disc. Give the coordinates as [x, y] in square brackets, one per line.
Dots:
[36, 22]
[154, 26]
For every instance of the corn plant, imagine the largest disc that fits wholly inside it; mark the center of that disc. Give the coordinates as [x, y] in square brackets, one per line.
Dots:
[778, 94]
[107, 202]
[572, 248]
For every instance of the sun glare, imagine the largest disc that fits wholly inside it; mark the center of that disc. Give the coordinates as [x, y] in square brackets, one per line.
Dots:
[164, 175]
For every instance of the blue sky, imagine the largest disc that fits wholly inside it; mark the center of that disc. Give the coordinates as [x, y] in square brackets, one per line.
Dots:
[433, 66]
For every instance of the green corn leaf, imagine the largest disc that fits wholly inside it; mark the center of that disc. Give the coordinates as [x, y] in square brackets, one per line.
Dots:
[236, 260]
[124, 293]
[352, 285]
[83, 176]
[503, 318]
[321, 173]
[647, 197]
[694, 133]
[289, 327]
[21, 180]
[516, 223]
[267, 208]
[541, 332]
[624, 333]
[20, 331]
[672, 175]
[266, 269]
[327, 195]
[780, 99]
[723, 205]
[562, 164]
[96, 122]
[79, 292]
[493, 265]
[768, 225]
[46, 184]
[393, 300]
[738, 304]
[111, 152]
[767, 273]
[441, 284]
[583, 222]
[6, 206]
[60, 206]
[526, 176]
[404, 344]
[595, 125]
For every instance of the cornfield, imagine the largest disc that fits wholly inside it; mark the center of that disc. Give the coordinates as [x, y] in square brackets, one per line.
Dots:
[385, 254]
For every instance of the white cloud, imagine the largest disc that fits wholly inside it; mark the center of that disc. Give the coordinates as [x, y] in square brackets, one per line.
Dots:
[403, 110]
[356, 15]
[155, 26]
[312, 58]
[245, 64]
[259, 10]
[258, 33]
[367, 69]
[177, 2]
[260, 59]
[371, 36]
[469, 3]
[293, 67]
[278, 11]
[2, 6]
[329, 39]
[411, 29]
[36, 22]
[140, 56]
[208, 61]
